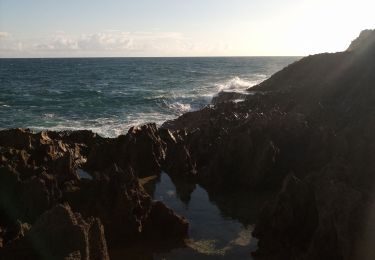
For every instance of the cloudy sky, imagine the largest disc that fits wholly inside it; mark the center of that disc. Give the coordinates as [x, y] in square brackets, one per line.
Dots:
[92, 28]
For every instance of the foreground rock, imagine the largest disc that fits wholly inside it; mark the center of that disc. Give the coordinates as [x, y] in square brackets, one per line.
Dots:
[98, 177]
[60, 234]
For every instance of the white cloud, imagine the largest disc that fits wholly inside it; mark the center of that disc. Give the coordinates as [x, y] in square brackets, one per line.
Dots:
[4, 35]
[108, 43]
[9, 44]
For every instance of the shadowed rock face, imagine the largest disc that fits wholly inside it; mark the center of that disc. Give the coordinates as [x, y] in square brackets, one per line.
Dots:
[39, 171]
[141, 147]
[308, 131]
[60, 234]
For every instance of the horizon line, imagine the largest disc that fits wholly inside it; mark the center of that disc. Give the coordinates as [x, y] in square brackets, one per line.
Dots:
[148, 57]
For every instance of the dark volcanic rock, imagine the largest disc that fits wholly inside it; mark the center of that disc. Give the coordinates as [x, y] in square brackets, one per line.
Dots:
[60, 234]
[234, 146]
[141, 148]
[41, 170]
[223, 97]
[364, 41]
[293, 218]
[144, 148]
[341, 177]
[34, 167]
[165, 224]
[178, 161]
[117, 198]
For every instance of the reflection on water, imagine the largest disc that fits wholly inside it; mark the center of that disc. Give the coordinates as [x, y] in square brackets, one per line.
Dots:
[83, 174]
[212, 236]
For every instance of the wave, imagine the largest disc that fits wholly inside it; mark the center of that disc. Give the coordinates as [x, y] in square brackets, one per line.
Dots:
[106, 127]
[114, 126]
[167, 105]
[239, 85]
[179, 108]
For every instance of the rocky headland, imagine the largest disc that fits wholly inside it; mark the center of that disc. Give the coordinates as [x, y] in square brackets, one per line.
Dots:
[307, 134]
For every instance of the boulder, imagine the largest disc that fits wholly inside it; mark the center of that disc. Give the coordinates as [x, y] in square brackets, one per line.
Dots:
[60, 234]
[164, 224]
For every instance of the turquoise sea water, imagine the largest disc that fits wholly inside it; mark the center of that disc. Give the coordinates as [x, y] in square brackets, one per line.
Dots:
[107, 95]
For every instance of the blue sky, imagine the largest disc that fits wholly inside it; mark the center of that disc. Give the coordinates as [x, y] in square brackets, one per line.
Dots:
[79, 28]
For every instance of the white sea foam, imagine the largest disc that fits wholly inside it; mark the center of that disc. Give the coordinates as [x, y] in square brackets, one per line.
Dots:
[179, 107]
[48, 115]
[238, 100]
[107, 127]
[237, 84]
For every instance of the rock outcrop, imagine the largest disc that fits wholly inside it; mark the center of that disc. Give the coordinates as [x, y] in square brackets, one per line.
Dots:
[97, 177]
[364, 41]
[60, 234]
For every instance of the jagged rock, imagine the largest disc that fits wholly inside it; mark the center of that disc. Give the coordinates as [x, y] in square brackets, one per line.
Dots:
[323, 219]
[14, 232]
[26, 199]
[116, 198]
[40, 170]
[287, 226]
[178, 160]
[39, 150]
[165, 224]
[16, 138]
[235, 147]
[339, 159]
[60, 234]
[141, 148]
[144, 150]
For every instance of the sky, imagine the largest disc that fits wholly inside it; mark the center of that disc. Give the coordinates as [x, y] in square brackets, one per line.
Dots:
[138, 28]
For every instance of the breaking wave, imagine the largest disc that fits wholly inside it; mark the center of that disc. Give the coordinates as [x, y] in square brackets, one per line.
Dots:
[239, 85]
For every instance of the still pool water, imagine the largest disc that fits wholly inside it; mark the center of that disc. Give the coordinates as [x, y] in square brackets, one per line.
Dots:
[212, 235]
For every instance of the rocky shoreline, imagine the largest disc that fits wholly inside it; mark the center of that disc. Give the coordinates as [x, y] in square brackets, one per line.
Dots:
[40, 181]
[306, 134]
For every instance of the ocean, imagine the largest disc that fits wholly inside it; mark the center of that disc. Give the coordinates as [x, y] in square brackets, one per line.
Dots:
[108, 95]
